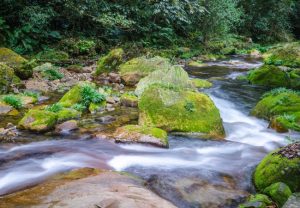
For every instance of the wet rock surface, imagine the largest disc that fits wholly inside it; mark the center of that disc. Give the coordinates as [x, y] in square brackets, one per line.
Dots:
[291, 151]
[293, 201]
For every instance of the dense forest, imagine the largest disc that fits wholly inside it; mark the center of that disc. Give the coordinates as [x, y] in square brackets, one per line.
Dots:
[27, 26]
[150, 104]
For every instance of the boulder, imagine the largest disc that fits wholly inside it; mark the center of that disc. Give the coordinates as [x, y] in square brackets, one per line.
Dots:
[285, 55]
[8, 79]
[173, 77]
[180, 111]
[38, 120]
[279, 192]
[141, 134]
[129, 100]
[88, 188]
[67, 126]
[110, 62]
[268, 75]
[137, 68]
[293, 201]
[282, 165]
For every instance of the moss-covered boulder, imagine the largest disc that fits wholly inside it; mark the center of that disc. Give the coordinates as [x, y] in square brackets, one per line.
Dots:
[257, 201]
[285, 55]
[8, 79]
[137, 68]
[174, 77]
[268, 75]
[96, 107]
[141, 134]
[110, 62]
[282, 165]
[38, 120]
[279, 192]
[67, 114]
[181, 111]
[201, 83]
[282, 107]
[129, 99]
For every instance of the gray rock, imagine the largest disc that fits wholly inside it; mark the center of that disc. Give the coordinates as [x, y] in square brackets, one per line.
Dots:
[293, 201]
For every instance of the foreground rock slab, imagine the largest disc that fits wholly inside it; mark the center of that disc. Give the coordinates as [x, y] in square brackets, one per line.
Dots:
[87, 188]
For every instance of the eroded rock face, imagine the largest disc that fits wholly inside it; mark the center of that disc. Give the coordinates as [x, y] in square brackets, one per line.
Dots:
[87, 188]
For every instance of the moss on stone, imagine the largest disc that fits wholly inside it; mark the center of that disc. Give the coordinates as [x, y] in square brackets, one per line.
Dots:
[8, 79]
[67, 114]
[95, 107]
[270, 76]
[110, 62]
[129, 99]
[72, 97]
[277, 168]
[75, 68]
[135, 69]
[279, 192]
[182, 111]
[38, 120]
[285, 55]
[11, 58]
[173, 77]
[201, 83]
[286, 121]
[257, 201]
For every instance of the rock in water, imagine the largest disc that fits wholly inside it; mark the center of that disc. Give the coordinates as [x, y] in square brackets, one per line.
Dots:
[87, 188]
[180, 111]
[293, 201]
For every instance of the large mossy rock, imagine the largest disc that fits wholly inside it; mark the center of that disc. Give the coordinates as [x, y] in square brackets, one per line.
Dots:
[8, 79]
[285, 55]
[174, 77]
[282, 165]
[279, 192]
[21, 66]
[38, 120]
[67, 114]
[137, 68]
[181, 111]
[141, 134]
[111, 61]
[268, 75]
[282, 107]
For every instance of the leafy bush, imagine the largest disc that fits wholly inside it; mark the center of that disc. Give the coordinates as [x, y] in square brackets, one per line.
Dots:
[13, 101]
[90, 95]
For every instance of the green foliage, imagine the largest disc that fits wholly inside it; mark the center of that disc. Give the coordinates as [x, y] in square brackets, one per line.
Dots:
[79, 107]
[13, 101]
[52, 74]
[31, 94]
[90, 95]
[55, 108]
[280, 90]
[190, 107]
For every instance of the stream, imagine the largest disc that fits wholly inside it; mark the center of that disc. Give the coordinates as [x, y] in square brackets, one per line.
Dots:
[191, 173]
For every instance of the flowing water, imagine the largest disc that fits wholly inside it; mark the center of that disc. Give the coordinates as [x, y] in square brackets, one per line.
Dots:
[191, 173]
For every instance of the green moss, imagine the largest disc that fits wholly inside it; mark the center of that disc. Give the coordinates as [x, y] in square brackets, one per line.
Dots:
[129, 99]
[257, 201]
[173, 77]
[67, 114]
[277, 103]
[110, 62]
[38, 120]
[201, 83]
[72, 97]
[270, 76]
[279, 192]
[165, 108]
[288, 121]
[76, 46]
[285, 55]
[94, 107]
[276, 168]
[10, 58]
[8, 79]
[52, 56]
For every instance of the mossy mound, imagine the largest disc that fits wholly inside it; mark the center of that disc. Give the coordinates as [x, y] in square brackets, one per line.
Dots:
[141, 134]
[137, 68]
[38, 120]
[110, 62]
[182, 111]
[279, 192]
[282, 107]
[22, 67]
[284, 55]
[277, 167]
[173, 77]
[270, 76]
[8, 79]
[257, 201]
[201, 83]
[72, 97]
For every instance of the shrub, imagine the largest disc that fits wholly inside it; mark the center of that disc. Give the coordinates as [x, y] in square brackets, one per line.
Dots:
[90, 95]
[13, 101]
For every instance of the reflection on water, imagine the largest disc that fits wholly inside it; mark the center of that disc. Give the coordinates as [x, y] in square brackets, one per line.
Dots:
[190, 173]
